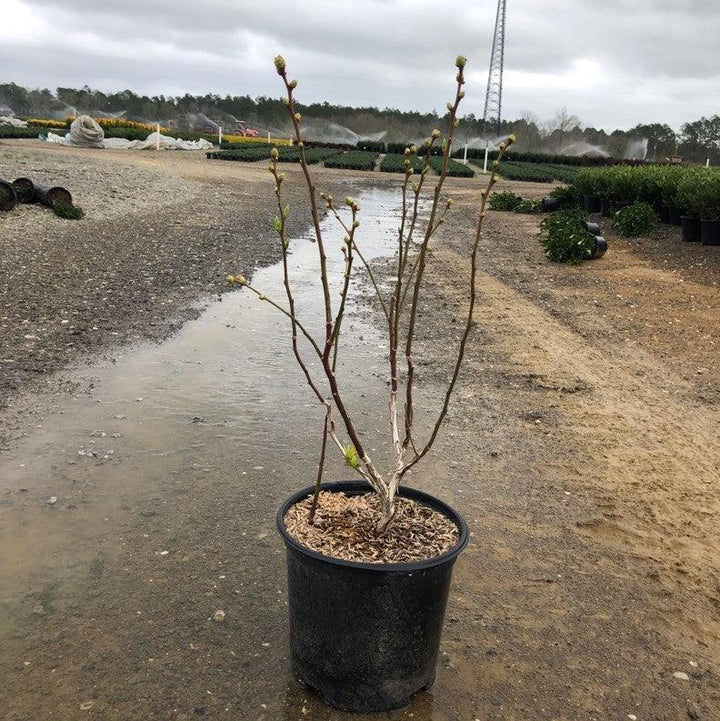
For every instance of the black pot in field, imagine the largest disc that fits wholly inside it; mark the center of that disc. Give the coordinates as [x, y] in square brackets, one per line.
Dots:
[690, 229]
[24, 189]
[591, 203]
[8, 199]
[549, 204]
[366, 636]
[710, 232]
[674, 215]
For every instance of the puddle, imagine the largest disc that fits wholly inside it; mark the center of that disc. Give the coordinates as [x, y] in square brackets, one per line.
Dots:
[218, 389]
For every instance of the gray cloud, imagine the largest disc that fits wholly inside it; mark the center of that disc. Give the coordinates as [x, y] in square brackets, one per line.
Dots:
[613, 63]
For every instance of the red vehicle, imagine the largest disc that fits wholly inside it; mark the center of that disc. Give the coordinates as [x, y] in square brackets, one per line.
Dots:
[241, 128]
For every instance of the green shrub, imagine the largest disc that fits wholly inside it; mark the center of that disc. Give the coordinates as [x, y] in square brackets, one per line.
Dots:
[504, 201]
[395, 163]
[564, 238]
[637, 219]
[455, 169]
[699, 192]
[527, 206]
[352, 160]
[68, 211]
[567, 195]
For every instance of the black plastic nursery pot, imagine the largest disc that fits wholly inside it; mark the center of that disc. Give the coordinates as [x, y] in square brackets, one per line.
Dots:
[591, 203]
[8, 198]
[549, 205]
[366, 636]
[600, 247]
[690, 229]
[674, 215]
[710, 232]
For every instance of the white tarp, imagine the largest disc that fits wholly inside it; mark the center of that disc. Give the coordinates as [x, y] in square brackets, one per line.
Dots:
[15, 122]
[86, 133]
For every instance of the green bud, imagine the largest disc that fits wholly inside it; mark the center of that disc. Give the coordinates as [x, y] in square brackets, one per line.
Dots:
[277, 223]
[460, 61]
[349, 201]
[293, 84]
[435, 134]
[511, 139]
[297, 117]
[351, 456]
[286, 211]
[280, 64]
[450, 107]
[274, 154]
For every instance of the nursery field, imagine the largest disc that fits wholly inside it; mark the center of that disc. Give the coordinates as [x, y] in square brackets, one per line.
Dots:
[146, 443]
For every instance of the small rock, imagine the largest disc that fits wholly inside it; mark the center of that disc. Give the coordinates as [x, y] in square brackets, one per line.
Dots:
[632, 717]
[448, 660]
[52, 500]
[38, 609]
[86, 705]
[681, 675]
[218, 616]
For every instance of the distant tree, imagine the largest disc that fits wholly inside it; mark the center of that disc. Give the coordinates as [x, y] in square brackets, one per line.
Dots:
[661, 139]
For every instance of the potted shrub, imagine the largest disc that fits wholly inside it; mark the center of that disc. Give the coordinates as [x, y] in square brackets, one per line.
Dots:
[699, 192]
[689, 220]
[707, 200]
[370, 561]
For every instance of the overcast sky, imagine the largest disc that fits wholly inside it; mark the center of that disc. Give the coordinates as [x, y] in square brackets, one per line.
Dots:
[612, 63]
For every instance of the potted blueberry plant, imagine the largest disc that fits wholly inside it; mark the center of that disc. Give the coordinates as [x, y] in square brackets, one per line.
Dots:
[370, 560]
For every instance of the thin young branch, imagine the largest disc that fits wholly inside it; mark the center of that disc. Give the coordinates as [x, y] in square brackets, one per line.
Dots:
[369, 472]
[469, 322]
[295, 118]
[419, 267]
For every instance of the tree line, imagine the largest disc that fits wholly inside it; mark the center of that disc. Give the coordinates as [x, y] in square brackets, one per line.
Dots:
[695, 142]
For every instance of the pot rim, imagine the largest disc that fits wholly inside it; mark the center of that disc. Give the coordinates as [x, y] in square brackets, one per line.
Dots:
[357, 488]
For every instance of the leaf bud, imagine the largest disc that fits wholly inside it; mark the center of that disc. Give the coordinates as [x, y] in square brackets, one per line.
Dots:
[450, 107]
[274, 154]
[297, 117]
[460, 61]
[461, 94]
[349, 201]
[280, 64]
[262, 296]
[435, 134]
[502, 146]
[511, 139]
[293, 84]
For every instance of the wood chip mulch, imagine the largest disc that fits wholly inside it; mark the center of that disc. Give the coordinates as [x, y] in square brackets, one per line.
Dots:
[344, 528]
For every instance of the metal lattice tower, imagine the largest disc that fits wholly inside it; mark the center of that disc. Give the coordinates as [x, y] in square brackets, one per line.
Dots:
[493, 97]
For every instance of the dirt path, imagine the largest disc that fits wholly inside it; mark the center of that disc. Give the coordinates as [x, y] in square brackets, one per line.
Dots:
[583, 450]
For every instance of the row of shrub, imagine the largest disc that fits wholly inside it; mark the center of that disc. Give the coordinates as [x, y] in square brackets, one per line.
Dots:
[695, 190]
[544, 158]
[395, 163]
[539, 173]
[353, 160]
